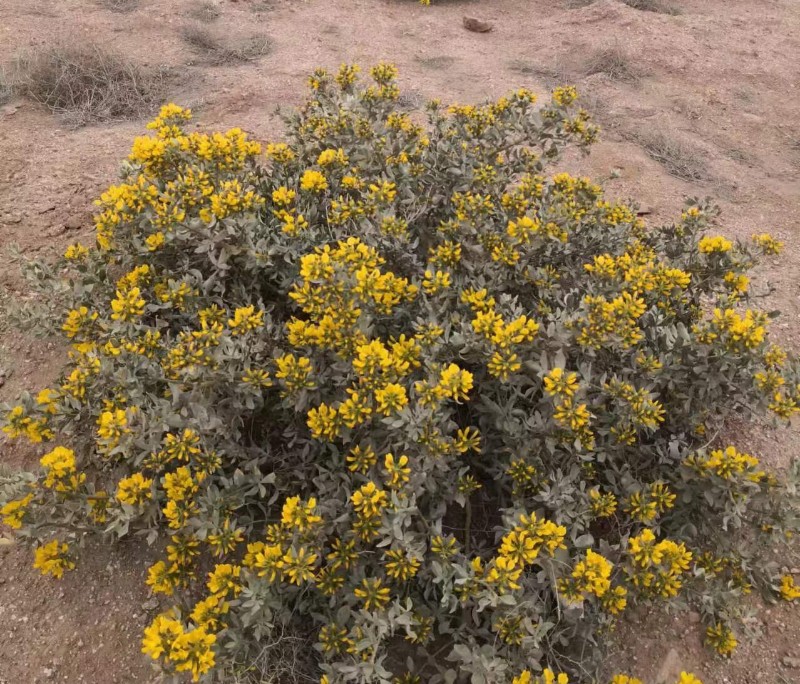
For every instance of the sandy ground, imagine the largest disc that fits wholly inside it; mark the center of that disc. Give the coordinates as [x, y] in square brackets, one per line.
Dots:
[721, 77]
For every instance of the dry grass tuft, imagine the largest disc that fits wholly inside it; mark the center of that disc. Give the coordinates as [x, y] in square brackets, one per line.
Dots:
[205, 11]
[677, 157]
[285, 658]
[436, 62]
[121, 6]
[87, 84]
[614, 62]
[6, 91]
[652, 6]
[555, 73]
[214, 50]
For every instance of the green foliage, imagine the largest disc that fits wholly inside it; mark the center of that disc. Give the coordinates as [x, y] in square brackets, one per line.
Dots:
[396, 388]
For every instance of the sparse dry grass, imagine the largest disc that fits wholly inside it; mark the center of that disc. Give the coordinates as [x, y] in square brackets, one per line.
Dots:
[205, 11]
[121, 6]
[652, 6]
[437, 62]
[6, 92]
[614, 62]
[214, 50]
[87, 84]
[678, 158]
[554, 73]
[286, 658]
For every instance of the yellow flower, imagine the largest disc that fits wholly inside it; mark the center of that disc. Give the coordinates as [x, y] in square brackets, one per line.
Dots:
[433, 282]
[789, 590]
[504, 572]
[361, 459]
[559, 383]
[208, 612]
[160, 635]
[330, 156]
[391, 398]
[224, 580]
[368, 500]
[323, 422]
[717, 243]
[284, 197]
[454, 382]
[571, 416]
[245, 319]
[768, 244]
[50, 559]
[77, 321]
[313, 181]
[128, 305]
[397, 470]
[565, 95]
[520, 547]
[192, 652]
[280, 152]
[300, 515]
[14, 511]
[76, 252]
[400, 565]
[373, 594]
[720, 637]
[688, 678]
[154, 241]
[298, 565]
[161, 578]
[134, 490]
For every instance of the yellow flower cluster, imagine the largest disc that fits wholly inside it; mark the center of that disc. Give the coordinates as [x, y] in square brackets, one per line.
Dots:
[603, 504]
[13, 512]
[610, 322]
[548, 677]
[720, 637]
[503, 338]
[134, 490]
[52, 559]
[647, 504]
[657, 566]
[789, 590]
[714, 244]
[590, 576]
[61, 474]
[20, 424]
[520, 547]
[187, 651]
[767, 243]
[734, 332]
[174, 171]
[286, 555]
[684, 678]
[728, 464]
[641, 272]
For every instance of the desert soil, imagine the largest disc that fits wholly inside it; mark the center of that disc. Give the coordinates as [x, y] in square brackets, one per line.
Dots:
[720, 78]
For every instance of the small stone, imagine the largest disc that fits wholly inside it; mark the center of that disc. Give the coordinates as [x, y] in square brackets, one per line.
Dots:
[150, 604]
[477, 25]
[75, 222]
[670, 669]
[788, 661]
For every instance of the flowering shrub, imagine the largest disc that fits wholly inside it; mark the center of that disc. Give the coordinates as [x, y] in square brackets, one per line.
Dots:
[396, 387]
